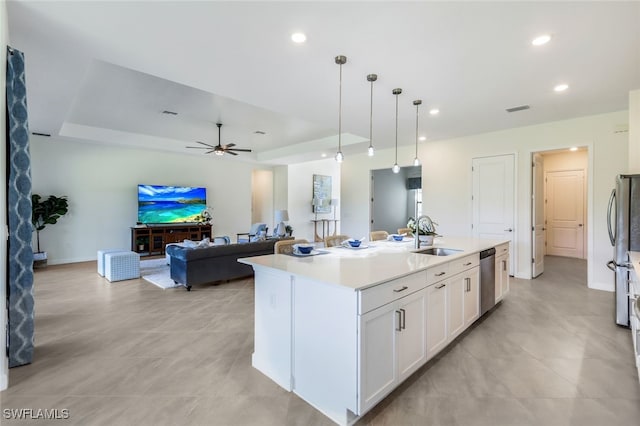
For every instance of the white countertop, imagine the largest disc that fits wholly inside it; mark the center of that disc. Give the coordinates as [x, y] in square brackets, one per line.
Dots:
[361, 268]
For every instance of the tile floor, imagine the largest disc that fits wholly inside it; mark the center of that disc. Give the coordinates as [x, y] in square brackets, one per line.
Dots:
[129, 353]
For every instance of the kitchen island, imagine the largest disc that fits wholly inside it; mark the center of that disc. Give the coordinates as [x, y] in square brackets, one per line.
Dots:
[343, 328]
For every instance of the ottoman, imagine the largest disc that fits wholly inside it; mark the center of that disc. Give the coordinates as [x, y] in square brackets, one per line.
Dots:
[101, 254]
[122, 265]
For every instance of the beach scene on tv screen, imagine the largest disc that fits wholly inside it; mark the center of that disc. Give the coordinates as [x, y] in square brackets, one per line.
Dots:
[170, 204]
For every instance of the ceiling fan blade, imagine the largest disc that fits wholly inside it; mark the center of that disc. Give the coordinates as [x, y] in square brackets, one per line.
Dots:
[226, 151]
[229, 145]
[205, 144]
[238, 149]
[209, 152]
[198, 147]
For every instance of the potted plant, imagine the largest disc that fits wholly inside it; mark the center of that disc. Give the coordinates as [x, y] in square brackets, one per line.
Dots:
[43, 213]
[289, 230]
[141, 242]
[423, 228]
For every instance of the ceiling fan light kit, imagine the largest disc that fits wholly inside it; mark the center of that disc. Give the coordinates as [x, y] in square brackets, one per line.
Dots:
[219, 149]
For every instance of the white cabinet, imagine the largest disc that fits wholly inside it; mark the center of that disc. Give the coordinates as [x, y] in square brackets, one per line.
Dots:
[452, 306]
[502, 274]
[437, 335]
[471, 280]
[392, 346]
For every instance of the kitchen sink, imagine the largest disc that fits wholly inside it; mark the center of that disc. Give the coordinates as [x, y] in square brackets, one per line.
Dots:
[439, 251]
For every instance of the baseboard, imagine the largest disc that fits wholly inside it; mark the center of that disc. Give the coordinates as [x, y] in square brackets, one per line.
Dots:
[602, 286]
[72, 260]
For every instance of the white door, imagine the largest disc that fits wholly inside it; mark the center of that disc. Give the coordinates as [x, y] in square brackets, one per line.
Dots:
[565, 213]
[537, 214]
[493, 198]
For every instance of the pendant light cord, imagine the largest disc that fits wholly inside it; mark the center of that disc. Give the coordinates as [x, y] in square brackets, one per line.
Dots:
[340, 113]
[397, 128]
[371, 119]
[417, 106]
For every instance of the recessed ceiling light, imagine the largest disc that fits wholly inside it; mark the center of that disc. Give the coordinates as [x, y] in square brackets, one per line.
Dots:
[541, 39]
[561, 87]
[422, 138]
[298, 37]
[434, 111]
[324, 154]
[573, 148]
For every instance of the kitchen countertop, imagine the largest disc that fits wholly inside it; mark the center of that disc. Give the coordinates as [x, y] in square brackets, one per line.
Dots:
[361, 268]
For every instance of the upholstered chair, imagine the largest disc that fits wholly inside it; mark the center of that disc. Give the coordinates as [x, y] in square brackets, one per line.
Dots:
[378, 235]
[335, 240]
[256, 229]
[286, 246]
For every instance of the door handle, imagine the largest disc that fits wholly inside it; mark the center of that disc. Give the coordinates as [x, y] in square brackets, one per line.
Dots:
[403, 318]
[612, 232]
[509, 230]
[398, 290]
[468, 282]
[440, 286]
[399, 318]
[579, 224]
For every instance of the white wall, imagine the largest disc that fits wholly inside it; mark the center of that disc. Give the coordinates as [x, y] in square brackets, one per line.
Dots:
[634, 132]
[300, 190]
[4, 40]
[262, 197]
[101, 183]
[446, 181]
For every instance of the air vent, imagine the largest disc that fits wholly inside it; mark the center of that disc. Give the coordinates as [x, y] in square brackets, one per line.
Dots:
[41, 134]
[169, 112]
[260, 132]
[518, 108]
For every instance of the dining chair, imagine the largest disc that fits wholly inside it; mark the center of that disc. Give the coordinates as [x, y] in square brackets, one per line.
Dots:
[378, 235]
[407, 231]
[335, 240]
[286, 246]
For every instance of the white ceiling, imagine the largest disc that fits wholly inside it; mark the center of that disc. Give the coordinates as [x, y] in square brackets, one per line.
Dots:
[105, 71]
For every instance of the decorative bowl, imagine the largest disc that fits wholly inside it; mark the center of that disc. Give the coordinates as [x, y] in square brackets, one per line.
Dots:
[397, 237]
[354, 243]
[304, 248]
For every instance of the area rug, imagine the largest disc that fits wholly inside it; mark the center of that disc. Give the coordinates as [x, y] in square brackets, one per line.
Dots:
[156, 271]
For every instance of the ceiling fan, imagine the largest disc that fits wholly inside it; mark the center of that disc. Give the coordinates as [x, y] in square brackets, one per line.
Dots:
[219, 149]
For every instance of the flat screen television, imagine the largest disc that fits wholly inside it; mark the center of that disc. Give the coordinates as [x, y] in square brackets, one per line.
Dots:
[170, 204]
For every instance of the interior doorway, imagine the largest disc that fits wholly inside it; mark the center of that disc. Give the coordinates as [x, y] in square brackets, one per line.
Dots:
[394, 198]
[559, 205]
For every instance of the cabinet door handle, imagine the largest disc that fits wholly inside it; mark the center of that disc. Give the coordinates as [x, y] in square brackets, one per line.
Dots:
[468, 263]
[440, 274]
[398, 290]
[403, 317]
[440, 286]
[399, 321]
[504, 265]
[468, 281]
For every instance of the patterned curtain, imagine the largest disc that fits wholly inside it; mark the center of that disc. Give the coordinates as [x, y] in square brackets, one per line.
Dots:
[20, 253]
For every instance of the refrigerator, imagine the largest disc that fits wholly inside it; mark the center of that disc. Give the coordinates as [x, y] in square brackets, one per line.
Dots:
[623, 216]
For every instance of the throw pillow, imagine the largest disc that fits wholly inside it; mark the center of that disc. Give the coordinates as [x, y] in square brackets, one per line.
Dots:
[190, 244]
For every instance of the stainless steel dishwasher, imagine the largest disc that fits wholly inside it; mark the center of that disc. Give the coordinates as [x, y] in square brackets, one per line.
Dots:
[487, 280]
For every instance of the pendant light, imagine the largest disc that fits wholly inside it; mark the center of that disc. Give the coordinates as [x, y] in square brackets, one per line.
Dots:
[340, 60]
[416, 161]
[396, 168]
[371, 78]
